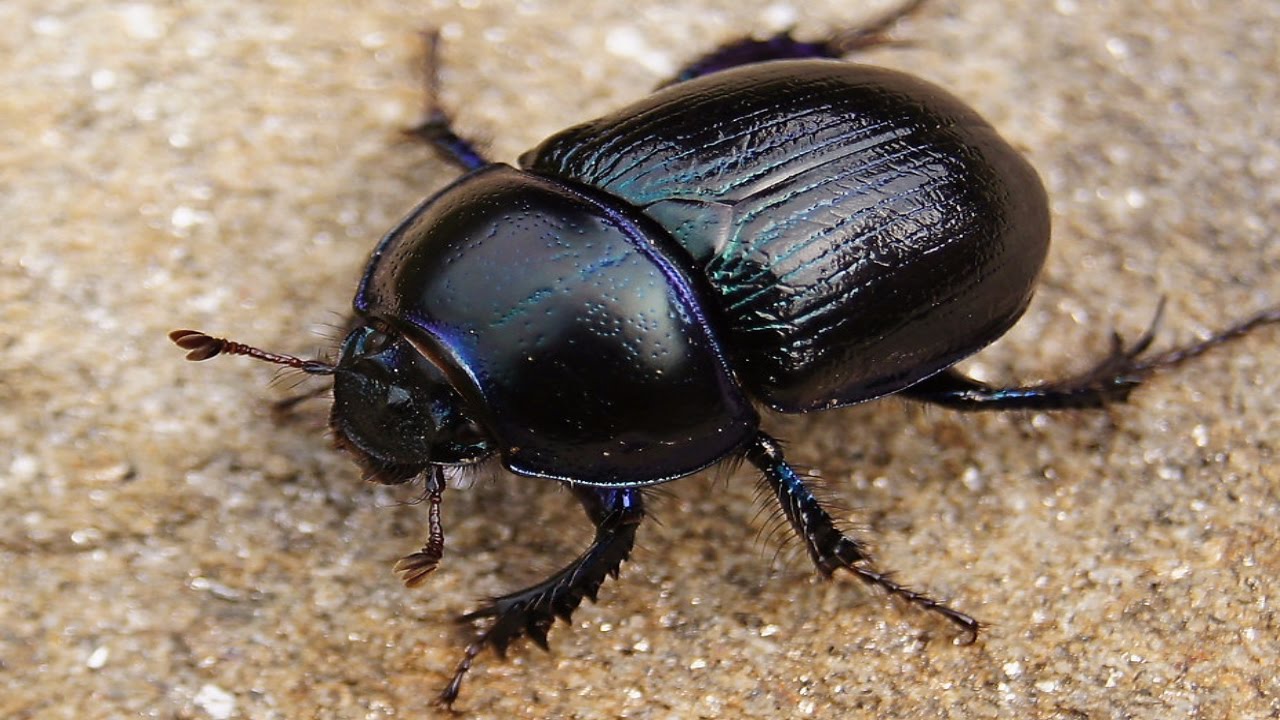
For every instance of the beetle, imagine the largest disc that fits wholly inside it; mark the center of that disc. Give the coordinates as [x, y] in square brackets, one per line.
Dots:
[774, 228]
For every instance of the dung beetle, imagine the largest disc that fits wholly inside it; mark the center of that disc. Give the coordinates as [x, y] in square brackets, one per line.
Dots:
[774, 228]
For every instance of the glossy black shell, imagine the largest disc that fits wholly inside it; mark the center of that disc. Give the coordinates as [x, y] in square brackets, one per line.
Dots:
[571, 327]
[805, 234]
[862, 228]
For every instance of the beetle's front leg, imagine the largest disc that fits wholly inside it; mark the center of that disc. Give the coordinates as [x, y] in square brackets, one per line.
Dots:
[616, 513]
[829, 548]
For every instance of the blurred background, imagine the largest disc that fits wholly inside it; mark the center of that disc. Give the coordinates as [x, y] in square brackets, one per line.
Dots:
[173, 549]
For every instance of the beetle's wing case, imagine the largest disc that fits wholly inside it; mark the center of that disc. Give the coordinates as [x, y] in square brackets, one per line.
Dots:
[579, 344]
[863, 228]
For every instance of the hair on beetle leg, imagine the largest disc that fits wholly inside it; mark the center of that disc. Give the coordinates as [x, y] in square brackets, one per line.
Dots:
[829, 547]
[776, 530]
[721, 476]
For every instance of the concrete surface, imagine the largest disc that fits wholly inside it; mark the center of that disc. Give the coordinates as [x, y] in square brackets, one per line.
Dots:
[170, 549]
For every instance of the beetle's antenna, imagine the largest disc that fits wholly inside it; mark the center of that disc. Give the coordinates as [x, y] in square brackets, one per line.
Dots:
[200, 346]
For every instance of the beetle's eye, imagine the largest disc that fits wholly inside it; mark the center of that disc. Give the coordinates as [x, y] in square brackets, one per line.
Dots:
[375, 342]
[471, 432]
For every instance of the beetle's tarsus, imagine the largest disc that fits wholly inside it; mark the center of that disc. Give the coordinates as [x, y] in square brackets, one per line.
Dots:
[1115, 377]
[1177, 356]
[1110, 381]
[450, 692]
[829, 548]
[531, 612]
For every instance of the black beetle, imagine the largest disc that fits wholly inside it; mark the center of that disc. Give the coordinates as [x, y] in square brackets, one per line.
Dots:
[774, 227]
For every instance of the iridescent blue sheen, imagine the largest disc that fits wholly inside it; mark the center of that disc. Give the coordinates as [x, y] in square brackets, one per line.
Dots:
[572, 327]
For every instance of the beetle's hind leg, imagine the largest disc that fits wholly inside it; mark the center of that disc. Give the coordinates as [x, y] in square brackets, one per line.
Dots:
[616, 513]
[1111, 380]
[829, 548]
[436, 127]
[785, 47]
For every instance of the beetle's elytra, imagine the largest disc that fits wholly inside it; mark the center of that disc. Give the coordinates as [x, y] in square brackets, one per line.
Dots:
[775, 228]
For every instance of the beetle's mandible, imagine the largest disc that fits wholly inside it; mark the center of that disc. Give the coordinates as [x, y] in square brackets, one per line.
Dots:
[773, 228]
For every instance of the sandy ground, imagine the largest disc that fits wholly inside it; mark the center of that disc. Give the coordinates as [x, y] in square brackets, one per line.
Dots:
[172, 549]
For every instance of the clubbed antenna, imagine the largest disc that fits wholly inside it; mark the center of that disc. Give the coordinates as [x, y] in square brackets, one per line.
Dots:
[414, 569]
[200, 346]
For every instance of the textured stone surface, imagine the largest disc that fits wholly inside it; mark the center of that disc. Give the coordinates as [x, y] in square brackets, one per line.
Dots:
[172, 550]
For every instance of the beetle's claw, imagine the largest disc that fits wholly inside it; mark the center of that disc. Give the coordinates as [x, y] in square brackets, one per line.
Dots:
[450, 692]
[1127, 367]
[1145, 367]
[529, 613]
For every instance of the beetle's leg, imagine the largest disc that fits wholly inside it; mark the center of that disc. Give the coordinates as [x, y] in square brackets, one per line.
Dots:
[415, 567]
[829, 548]
[436, 127]
[1111, 380]
[616, 512]
[785, 47]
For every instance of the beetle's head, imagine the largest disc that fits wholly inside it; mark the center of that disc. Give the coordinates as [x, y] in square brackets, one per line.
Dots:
[396, 411]
[393, 409]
